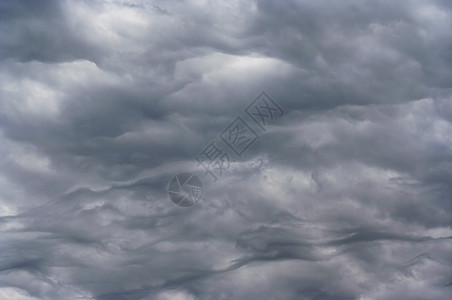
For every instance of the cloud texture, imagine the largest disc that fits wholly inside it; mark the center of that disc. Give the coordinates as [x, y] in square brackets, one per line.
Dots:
[347, 196]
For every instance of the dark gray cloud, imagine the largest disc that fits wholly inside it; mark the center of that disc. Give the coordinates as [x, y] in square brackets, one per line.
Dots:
[347, 196]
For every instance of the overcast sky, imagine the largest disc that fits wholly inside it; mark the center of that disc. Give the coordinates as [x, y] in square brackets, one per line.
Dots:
[347, 194]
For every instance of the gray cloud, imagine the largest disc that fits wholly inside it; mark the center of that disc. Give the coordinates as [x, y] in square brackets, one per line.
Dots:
[347, 196]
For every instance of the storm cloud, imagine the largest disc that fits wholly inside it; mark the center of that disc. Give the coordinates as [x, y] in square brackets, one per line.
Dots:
[347, 195]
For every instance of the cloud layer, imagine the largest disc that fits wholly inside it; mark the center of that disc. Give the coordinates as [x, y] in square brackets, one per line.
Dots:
[347, 196]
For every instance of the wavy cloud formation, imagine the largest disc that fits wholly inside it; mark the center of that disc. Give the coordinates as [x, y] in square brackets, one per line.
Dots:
[347, 196]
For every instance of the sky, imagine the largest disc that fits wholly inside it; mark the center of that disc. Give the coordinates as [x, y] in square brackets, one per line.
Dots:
[344, 193]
